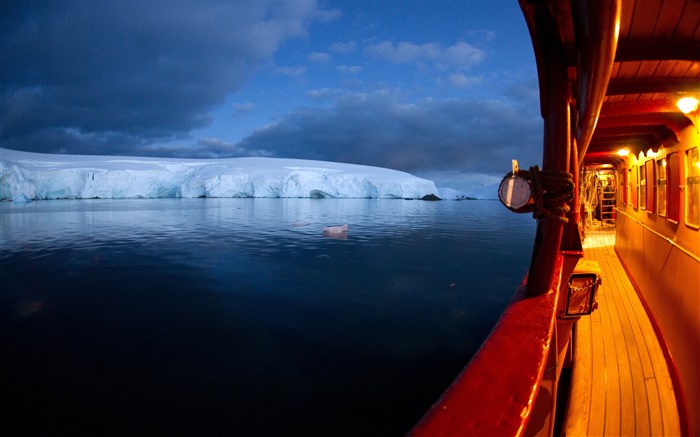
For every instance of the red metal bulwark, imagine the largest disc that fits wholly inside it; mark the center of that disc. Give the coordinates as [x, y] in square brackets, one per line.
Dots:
[495, 393]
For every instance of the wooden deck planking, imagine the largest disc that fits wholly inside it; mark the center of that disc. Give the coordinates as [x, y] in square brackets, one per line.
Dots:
[580, 393]
[627, 375]
[597, 419]
[633, 395]
[614, 370]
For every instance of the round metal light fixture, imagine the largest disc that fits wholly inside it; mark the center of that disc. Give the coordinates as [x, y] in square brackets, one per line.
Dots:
[514, 192]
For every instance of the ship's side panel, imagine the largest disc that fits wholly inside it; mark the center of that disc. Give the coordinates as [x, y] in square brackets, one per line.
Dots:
[662, 256]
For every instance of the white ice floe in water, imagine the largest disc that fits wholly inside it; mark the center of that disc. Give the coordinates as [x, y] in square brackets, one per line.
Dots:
[26, 176]
[482, 191]
[339, 232]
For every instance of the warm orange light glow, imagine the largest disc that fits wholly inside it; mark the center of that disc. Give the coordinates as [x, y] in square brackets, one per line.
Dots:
[687, 104]
[623, 152]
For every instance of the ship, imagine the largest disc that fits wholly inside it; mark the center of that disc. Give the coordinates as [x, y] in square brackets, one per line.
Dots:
[602, 337]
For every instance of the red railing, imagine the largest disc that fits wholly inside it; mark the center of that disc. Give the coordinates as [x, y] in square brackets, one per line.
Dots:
[495, 394]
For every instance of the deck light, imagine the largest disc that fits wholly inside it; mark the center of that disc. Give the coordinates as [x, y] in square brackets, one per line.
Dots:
[623, 152]
[582, 296]
[687, 104]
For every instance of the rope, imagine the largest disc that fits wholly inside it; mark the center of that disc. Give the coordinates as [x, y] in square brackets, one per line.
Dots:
[552, 190]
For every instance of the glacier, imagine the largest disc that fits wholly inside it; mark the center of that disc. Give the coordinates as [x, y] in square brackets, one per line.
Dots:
[26, 176]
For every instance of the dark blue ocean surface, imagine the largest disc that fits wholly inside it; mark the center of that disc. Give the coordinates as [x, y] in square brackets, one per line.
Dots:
[240, 317]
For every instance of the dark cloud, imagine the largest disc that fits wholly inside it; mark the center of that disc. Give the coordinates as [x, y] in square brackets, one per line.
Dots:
[381, 129]
[130, 71]
[204, 148]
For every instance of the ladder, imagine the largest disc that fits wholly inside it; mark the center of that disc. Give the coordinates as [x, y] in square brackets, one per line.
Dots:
[607, 196]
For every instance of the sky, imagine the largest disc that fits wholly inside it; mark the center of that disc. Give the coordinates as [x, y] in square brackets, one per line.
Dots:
[440, 89]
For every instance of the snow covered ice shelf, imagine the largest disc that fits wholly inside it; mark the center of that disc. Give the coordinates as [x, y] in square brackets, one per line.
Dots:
[26, 176]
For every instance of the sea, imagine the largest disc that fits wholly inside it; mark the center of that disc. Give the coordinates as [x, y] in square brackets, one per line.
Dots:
[246, 317]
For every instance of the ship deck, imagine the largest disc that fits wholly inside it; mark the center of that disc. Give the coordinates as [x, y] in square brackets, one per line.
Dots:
[620, 383]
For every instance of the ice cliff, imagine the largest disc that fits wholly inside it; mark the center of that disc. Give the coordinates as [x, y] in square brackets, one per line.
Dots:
[26, 176]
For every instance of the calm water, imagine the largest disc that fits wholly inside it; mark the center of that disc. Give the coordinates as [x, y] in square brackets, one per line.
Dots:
[239, 317]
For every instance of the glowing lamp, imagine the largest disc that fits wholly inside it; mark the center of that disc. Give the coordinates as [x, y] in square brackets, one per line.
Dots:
[687, 104]
[623, 152]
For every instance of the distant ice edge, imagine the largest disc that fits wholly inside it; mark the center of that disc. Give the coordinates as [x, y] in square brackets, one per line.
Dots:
[26, 176]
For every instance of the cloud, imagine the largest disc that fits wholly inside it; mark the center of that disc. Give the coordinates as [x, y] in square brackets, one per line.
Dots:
[319, 57]
[460, 80]
[343, 47]
[349, 69]
[324, 93]
[460, 55]
[215, 148]
[205, 148]
[296, 70]
[244, 108]
[383, 129]
[483, 35]
[136, 71]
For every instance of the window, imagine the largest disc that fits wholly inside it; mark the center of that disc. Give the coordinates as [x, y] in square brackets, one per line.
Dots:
[673, 187]
[629, 185]
[642, 186]
[692, 192]
[623, 186]
[651, 186]
[633, 187]
[661, 187]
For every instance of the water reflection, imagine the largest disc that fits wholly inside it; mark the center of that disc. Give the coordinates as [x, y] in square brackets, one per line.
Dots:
[194, 315]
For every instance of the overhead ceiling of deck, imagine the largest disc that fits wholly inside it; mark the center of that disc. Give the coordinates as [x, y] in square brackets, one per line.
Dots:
[657, 61]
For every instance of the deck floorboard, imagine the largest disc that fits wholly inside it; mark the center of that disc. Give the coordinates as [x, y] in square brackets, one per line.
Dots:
[624, 374]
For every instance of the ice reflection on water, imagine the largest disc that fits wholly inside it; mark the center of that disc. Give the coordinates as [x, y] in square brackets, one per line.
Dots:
[241, 315]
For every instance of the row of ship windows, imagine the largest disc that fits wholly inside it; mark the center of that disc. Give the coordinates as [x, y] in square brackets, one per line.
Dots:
[655, 186]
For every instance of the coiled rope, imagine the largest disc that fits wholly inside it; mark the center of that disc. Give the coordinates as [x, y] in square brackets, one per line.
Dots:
[552, 191]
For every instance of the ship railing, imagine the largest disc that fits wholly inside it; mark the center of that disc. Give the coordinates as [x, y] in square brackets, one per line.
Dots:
[509, 386]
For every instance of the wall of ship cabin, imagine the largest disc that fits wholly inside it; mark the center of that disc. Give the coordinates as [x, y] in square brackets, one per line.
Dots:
[658, 241]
